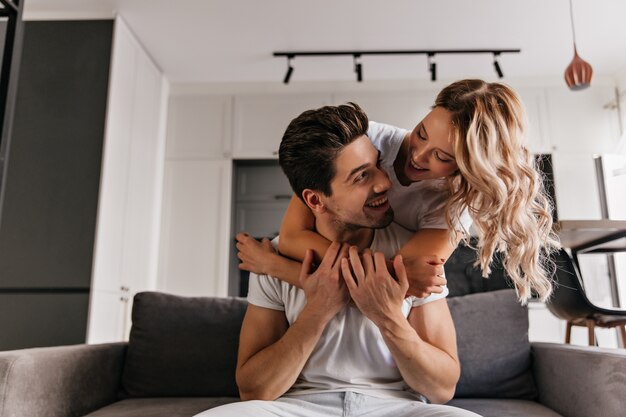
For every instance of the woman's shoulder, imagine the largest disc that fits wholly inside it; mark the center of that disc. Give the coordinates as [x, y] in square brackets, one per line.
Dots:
[387, 139]
[385, 136]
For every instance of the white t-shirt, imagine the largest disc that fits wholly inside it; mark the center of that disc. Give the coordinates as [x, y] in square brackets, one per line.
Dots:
[351, 354]
[420, 204]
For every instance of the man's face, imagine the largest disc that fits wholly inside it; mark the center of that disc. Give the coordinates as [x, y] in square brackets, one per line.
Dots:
[359, 188]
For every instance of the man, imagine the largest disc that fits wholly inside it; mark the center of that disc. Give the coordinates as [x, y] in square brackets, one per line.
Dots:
[348, 342]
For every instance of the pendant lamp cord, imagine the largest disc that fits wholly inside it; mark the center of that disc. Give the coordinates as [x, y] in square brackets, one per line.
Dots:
[571, 16]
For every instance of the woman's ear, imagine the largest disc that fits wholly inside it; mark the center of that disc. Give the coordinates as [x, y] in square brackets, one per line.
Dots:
[313, 201]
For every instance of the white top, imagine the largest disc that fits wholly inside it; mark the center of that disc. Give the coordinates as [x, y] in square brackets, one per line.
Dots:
[420, 204]
[351, 354]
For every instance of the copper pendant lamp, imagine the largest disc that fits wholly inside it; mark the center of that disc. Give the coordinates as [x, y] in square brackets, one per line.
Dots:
[578, 73]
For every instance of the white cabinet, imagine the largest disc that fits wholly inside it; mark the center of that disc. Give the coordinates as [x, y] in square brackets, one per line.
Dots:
[126, 249]
[195, 240]
[199, 127]
[261, 120]
[401, 109]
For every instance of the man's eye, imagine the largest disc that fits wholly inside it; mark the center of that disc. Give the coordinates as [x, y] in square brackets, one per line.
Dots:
[361, 176]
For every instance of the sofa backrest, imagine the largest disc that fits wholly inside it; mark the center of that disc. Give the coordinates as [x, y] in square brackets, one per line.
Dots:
[184, 347]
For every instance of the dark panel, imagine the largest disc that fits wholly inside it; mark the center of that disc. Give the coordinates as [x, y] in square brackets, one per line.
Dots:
[49, 213]
[34, 320]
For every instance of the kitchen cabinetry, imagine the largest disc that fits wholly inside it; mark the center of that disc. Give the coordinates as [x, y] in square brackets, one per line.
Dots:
[199, 127]
[195, 224]
[195, 228]
[261, 120]
[126, 248]
[402, 109]
[262, 196]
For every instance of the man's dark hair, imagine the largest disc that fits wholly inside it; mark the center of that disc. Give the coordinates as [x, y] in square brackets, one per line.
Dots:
[312, 141]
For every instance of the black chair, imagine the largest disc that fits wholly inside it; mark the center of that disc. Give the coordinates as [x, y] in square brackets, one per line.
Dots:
[570, 303]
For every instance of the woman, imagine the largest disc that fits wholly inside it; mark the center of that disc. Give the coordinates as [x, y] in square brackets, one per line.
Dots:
[464, 162]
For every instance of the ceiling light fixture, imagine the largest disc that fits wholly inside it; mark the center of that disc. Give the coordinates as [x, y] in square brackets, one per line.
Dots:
[578, 73]
[289, 69]
[358, 66]
[496, 65]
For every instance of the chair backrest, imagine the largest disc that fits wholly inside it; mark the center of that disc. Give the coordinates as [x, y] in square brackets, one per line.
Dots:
[568, 301]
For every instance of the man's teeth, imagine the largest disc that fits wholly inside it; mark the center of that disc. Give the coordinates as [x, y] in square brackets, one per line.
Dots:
[378, 203]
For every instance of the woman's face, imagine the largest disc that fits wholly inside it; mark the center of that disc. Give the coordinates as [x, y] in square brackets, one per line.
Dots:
[430, 152]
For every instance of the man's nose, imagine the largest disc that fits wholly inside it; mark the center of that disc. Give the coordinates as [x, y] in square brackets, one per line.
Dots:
[383, 183]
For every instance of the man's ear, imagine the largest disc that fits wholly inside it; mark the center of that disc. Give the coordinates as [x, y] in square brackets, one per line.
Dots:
[313, 200]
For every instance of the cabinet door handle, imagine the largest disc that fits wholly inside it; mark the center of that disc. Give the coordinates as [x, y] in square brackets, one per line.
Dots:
[282, 197]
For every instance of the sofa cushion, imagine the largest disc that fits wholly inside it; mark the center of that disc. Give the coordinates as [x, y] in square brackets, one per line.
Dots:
[504, 408]
[492, 338]
[182, 346]
[161, 407]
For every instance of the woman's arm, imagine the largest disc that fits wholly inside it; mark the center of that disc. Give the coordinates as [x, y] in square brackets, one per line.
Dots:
[297, 232]
[261, 258]
[424, 255]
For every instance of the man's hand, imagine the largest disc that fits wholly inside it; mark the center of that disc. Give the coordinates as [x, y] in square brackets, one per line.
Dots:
[425, 275]
[325, 291]
[372, 287]
[255, 256]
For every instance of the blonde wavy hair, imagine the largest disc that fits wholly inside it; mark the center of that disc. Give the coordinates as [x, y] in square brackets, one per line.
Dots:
[499, 183]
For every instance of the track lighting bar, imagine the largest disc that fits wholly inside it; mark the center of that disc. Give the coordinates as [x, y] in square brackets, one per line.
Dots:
[398, 52]
[358, 65]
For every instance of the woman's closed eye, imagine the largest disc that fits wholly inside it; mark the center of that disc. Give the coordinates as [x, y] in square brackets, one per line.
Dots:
[441, 158]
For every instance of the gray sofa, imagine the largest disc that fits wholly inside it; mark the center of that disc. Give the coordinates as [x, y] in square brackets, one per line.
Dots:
[181, 358]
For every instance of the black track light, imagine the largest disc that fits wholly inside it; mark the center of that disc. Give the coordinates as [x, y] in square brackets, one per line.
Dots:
[358, 68]
[496, 65]
[432, 67]
[289, 69]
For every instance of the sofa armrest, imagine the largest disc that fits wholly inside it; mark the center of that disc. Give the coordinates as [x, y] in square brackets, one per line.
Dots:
[580, 381]
[60, 381]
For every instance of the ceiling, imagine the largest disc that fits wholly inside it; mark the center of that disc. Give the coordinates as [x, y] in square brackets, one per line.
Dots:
[231, 41]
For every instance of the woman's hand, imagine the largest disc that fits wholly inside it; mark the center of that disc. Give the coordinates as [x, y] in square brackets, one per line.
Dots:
[425, 275]
[255, 256]
[372, 287]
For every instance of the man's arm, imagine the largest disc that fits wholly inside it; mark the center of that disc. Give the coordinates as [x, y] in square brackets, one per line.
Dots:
[424, 346]
[271, 353]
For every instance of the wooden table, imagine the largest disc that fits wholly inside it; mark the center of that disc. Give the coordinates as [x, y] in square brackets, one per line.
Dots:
[595, 236]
